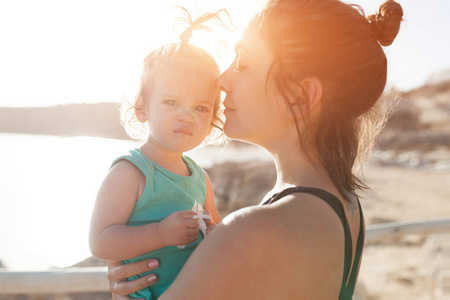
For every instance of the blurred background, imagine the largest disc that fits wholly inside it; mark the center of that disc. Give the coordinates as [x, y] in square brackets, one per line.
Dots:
[65, 67]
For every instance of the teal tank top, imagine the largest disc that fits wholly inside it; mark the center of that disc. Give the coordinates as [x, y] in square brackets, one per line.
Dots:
[165, 192]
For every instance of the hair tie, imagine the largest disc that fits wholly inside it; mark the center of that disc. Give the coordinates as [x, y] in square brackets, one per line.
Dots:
[186, 35]
[374, 23]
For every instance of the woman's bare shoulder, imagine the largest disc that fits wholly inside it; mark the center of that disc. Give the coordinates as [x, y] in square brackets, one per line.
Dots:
[265, 252]
[297, 218]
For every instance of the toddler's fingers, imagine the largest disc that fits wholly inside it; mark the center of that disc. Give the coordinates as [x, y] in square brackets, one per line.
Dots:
[209, 222]
[192, 224]
[192, 232]
[188, 214]
[192, 238]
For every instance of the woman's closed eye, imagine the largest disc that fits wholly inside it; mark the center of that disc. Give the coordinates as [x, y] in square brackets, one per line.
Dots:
[239, 67]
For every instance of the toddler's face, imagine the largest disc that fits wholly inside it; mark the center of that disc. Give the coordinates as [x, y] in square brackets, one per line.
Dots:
[180, 104]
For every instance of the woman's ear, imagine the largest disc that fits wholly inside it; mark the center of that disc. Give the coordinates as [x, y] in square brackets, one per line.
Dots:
[312, 89]
[139, 109]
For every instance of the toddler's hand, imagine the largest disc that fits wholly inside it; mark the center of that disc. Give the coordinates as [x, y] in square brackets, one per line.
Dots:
[209, 222]
[179, 228]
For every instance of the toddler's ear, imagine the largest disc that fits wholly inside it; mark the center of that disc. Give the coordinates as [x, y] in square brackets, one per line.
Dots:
[139, 109]
[211, 126]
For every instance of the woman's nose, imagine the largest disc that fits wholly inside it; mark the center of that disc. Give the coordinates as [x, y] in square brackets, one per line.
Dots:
[223, 83]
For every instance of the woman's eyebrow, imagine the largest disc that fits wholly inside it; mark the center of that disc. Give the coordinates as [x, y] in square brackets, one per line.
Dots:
[240, 48]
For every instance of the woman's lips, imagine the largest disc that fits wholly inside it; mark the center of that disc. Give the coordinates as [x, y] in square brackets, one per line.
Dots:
[228, 110]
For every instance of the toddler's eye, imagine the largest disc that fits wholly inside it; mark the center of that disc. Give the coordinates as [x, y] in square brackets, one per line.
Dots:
[202, 109]
[171, 102]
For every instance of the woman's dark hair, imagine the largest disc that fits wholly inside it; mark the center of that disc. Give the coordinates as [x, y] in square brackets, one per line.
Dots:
[337, 44]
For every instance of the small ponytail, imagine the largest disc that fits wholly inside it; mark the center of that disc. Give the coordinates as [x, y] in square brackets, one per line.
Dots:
[198, 23]
[386, 22]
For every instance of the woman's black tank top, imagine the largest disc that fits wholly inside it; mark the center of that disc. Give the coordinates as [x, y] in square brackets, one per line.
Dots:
[348, 283]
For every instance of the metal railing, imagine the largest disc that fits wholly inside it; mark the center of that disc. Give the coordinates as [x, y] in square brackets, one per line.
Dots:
[93, 279]
[375, 233]
[58, 281]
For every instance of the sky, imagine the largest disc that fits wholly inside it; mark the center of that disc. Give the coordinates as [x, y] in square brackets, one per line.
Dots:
[86, 51]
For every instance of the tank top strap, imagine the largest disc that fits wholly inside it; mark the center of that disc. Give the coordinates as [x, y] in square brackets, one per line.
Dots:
[358, 254]
[347, 289]
[136, 158]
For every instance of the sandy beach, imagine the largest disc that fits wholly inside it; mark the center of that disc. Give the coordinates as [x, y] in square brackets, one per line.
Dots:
[399, 268]
[410, 181]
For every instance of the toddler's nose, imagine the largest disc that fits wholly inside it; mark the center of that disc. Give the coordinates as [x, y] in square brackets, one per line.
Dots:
[186, 115]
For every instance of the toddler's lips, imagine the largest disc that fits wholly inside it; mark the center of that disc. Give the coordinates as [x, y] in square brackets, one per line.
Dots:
[182, 131]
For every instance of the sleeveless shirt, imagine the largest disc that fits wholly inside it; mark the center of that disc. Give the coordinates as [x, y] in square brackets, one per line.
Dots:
[348, 283]
[165, 192]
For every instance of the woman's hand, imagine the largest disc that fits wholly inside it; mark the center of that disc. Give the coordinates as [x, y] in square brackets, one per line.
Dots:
[118, 274]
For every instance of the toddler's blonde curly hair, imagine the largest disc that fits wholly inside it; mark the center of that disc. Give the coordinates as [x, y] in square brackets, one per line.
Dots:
[179, 50]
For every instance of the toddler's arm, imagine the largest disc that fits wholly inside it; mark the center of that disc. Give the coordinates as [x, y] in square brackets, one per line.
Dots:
[210, 204]
[110, 237]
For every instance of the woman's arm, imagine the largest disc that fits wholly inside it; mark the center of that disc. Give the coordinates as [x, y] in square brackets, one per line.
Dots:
[221, 266]
[288, 250]
[292, 249]
[110, 237]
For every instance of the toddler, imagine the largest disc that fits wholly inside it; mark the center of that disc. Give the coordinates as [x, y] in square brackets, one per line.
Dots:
[151, 204]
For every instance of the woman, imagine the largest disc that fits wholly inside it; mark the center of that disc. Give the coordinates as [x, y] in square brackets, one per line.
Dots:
[304, 84]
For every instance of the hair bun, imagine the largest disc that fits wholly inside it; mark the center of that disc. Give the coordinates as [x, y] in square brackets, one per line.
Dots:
[386, 22]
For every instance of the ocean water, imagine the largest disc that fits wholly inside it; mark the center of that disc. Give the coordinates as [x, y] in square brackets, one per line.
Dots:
[48, 186]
